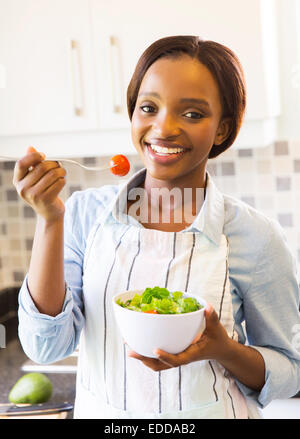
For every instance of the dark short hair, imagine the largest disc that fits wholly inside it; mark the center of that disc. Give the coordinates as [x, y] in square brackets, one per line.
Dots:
[221, 61]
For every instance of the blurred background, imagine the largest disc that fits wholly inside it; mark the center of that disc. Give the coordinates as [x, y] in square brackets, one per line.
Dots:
[64, 70]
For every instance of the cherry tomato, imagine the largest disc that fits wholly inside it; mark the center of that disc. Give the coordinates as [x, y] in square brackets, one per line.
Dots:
[153, 311]
[123, 165]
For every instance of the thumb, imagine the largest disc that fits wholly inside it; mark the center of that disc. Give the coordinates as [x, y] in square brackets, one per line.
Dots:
[30, 149]
[211, 317]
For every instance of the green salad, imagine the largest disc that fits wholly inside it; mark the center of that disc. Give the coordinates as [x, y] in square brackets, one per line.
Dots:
[161, 301]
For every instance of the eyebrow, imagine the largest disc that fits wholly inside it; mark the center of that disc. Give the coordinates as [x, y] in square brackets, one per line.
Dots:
[183, 100]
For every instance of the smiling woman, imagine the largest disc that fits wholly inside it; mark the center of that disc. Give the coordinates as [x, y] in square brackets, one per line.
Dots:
[175, 122]
[186, 103]
[219, 60]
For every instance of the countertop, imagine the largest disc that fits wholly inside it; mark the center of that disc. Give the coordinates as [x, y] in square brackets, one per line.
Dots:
[12, 357]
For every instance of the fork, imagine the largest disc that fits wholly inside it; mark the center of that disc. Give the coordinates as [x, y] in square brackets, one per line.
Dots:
[54, 159]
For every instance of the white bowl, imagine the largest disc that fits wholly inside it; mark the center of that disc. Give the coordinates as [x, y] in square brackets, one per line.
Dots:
[144, 332]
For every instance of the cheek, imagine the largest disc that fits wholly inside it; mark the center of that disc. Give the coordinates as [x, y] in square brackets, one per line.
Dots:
[137, 127]
[203, 134]
[137, 133]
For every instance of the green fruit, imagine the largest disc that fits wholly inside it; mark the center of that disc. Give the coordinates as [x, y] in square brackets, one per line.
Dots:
[32, 388]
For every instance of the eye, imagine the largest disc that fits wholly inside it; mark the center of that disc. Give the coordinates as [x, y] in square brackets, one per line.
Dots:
[194, 114]
[147, 108]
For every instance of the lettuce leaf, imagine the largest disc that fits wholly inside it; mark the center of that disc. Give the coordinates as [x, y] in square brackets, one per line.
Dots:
[162, 301]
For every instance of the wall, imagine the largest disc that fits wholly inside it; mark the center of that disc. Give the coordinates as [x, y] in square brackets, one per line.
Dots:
[266, 178]
[289, 69]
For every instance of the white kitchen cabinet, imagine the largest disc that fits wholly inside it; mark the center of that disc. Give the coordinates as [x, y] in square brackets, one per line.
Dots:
[123, 30]
[76, 107]
[289, 46]
[46, 57]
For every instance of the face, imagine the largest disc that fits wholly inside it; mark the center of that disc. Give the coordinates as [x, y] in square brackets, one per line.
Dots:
[177, 118]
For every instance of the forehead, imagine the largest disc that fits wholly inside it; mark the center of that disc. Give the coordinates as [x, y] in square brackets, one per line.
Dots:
[180, 77]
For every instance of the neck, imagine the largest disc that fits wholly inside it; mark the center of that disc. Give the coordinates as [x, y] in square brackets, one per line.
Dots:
[193, 180]
[183, 196]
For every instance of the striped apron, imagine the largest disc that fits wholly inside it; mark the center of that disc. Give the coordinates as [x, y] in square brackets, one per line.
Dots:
[110, 385]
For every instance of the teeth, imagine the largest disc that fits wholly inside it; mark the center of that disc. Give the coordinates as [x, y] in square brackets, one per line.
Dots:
[162, 150]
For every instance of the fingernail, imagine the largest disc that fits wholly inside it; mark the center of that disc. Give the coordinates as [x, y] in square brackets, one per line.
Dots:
[43, 156]
[30, 149]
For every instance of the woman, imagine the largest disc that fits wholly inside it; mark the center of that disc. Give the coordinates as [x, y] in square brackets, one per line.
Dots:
[186, 102]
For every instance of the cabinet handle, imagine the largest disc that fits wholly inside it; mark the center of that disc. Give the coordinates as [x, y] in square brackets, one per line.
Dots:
[77, 79]
[115, 73]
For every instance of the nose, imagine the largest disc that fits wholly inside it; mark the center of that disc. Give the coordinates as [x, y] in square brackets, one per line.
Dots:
[166, 125]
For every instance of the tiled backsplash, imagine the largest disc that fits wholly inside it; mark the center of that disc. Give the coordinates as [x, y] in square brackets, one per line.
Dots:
[266, 178]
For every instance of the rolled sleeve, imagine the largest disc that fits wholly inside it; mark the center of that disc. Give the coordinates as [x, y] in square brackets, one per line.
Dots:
[271, 313]
[39, 323]
[277, 368]
[44, 338]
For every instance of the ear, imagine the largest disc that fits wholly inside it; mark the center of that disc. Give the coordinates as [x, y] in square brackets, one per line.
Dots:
[223, 131]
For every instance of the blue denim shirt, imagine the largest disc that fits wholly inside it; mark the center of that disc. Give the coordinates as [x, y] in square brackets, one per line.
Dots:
[262, 273]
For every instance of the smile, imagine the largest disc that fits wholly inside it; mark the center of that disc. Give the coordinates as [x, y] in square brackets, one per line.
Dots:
[161, 150]
[163, 155]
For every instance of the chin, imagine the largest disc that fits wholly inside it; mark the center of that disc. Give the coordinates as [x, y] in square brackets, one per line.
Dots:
[164, 173]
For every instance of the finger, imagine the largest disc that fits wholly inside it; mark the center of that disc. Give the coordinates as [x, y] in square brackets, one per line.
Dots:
[211, 317]
[24, 163]
[30, 149]
[45, 183]
[208, 309]
[146, 360]
[38, 180]
[153, 363]
[52, 192]
[166, 358]
[47, 169]
[169, 359]
[190, 354]
[134, 354]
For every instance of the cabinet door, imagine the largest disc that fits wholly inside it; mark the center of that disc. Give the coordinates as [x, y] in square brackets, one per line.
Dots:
[45, 56]
[123, 30]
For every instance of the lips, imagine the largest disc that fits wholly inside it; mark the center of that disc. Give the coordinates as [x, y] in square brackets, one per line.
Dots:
[166, 144]
[163, 152]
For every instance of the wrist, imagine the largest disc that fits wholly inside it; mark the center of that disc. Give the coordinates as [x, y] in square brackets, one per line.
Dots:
[245, 364]
[50, 222]
[228, 352]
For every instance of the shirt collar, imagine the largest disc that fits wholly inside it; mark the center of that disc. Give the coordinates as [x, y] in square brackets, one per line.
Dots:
[209, 221]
